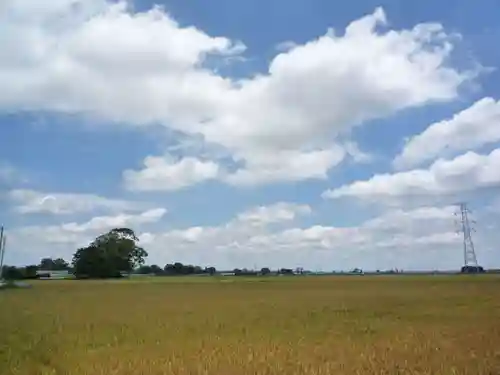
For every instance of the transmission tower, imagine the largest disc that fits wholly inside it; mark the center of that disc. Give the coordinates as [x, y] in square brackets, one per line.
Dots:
[470, 259]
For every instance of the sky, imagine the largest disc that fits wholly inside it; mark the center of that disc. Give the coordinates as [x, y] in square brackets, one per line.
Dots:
[250, 134]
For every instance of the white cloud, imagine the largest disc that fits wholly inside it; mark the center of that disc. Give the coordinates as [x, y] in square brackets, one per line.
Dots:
[318, 91]
[102, 223]
[96, 56]
[286, 166]
[31, 201]
[469, 129]
[276, 213]
[167, 174]
[104, 59]
[464, 173]
[76, 234]
[397, 219]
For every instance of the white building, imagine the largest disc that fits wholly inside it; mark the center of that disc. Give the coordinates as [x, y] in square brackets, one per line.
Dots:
[52, 275]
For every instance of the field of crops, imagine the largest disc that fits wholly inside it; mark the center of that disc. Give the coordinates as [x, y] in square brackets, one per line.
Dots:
[232, 326]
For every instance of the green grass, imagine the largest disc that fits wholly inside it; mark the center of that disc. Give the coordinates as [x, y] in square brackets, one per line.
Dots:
[231, 326]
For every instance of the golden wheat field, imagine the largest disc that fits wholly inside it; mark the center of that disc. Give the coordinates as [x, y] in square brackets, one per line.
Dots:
[231, 326]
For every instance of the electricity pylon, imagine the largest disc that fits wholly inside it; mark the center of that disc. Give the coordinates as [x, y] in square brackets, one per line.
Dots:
[470, 258]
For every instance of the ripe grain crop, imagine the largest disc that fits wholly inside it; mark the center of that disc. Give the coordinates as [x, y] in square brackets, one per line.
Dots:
[287, 326]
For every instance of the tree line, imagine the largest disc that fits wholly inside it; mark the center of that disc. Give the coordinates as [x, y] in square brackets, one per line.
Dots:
[30, 272]
[175, 269]
[48, 264]
[115, 254]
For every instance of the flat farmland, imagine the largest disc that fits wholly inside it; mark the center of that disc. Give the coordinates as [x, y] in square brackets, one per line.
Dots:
[232, 326]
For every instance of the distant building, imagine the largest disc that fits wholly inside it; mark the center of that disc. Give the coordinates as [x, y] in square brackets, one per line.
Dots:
[52, 275]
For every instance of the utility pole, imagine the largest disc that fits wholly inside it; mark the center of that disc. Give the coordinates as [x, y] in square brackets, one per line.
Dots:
[2, 251]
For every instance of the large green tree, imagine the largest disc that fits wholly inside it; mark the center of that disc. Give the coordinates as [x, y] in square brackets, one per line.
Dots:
[109, 255]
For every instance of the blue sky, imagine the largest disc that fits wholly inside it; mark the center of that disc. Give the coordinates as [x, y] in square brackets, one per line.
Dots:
[247, 133]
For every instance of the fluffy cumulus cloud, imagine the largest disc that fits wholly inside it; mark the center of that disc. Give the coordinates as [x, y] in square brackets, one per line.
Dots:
[63, 239]
[102, 223]
[286, 166]
[95, 56]
[166, 174]
[286, 124]
[276, 213]
[465, 173]
[471, 128]
[30, 201]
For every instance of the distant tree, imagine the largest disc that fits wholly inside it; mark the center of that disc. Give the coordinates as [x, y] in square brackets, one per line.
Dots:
[286, 271]
[18, 273]
[46, 264]
[245, 272]
[265, 271]
[49, 264]
[210, 270]
[156, 269]
[182, 269]
[144, 270]
[109, 255]
[60, 265]
[178, 268]
[12, 273]
[169, 269]
[30, 272]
